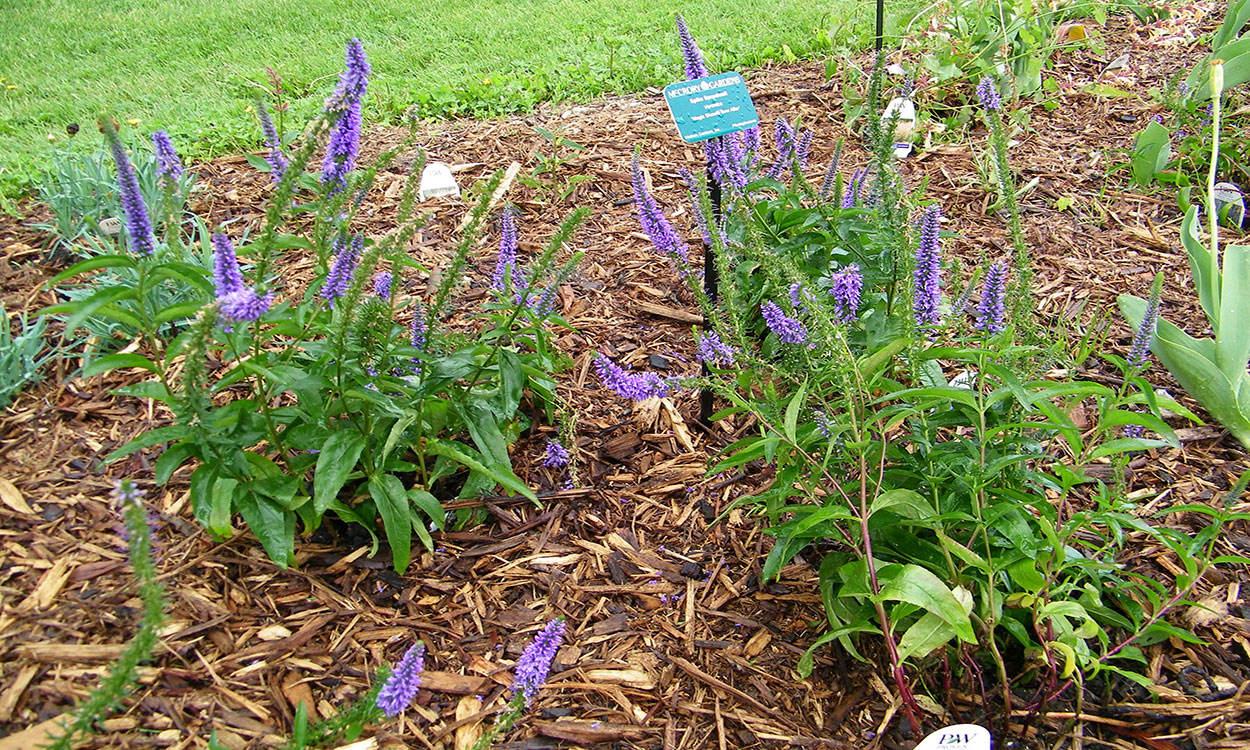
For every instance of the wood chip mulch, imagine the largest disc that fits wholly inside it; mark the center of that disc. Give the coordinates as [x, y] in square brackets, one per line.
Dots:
[674, 641]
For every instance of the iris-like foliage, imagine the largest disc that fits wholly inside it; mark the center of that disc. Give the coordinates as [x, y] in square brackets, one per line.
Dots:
[635, 386]
[138, 221]
[788, 329]
[340, 158]
[403, 682]
[276, 157]
[926, 279]
[168, 165]
[846, 287]
[535, 663]
[992, 311]
[655, 223]
[987, 92]
[714, 351]
[343, 269]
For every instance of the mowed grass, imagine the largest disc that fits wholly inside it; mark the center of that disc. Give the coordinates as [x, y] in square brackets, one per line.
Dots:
[193, 67]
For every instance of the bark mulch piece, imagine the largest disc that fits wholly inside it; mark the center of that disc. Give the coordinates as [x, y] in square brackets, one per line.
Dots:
[673, 642]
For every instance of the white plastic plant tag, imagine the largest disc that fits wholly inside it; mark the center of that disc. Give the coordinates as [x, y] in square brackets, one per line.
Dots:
[902, 150]
[906, 111]
[957, 737]
[895, 69]
[1228, 194]
[110, 226]
[437, 181]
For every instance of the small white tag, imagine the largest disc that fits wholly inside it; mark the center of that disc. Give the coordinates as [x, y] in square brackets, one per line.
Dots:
[906, 111]
[110, 226]
[957, 737]
[437, 181]
[1228, 194]
[895, 69]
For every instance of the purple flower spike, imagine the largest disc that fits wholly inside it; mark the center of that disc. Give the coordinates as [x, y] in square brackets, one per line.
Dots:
[535, 663]
[635, 386]
[987, 92]
[245, 305]
[126, 492]
[789, 330]
[1137, 358]
[342, 270]
[557, 455]
[340, 158]
[926, 287]
[693, 58]
[783, 134]
[168, 165]
[506, 265]
[138, 222]
[804, 148]
[824, 425]
[226, 275]
[714, 351]
[382, 282]
[846, 287]
[991, 313]
[404, 681]
[277, 157]
[655, 223]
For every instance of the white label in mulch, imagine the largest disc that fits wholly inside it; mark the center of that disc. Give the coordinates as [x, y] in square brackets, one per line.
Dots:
[437, 181]
[957, 737]
[1228, 194]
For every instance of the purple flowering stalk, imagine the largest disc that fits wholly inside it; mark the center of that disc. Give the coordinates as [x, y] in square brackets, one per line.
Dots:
[404, 681]
[557, 456]
[238, 301]
[655, 223]
[635, 386]
[846, 287]
[824, 425]
[788, 330]
[992, 311]
[1140, 351]
[343, 269]
[783, 134]
[418, 334]
[382, 282]
[992, 104]
[534, 665]
[168, 165]
[713, 351]
[926, 279]
[803, 150]
[346, 101]
[138, 222]
[987, 93]
[853, 188]
[277, 157]
[690, 53]
[506, 262]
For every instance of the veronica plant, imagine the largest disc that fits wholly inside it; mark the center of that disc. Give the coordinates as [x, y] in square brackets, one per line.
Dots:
[346, 396]
[1213, 370]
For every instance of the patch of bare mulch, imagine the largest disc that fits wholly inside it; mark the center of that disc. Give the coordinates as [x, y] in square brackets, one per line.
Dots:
[674, 641]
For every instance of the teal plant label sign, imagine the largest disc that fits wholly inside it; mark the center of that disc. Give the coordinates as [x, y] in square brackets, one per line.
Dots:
[709, 107]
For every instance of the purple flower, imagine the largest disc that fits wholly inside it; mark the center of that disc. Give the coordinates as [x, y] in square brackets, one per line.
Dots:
[340, 156]
[635, 386]
[846, 286]
[403, 682]
[138, 223]
[824, 425]
[796, 296]
[783, 134]
[245, 305]
[342, 269]
[126, 492]
[693, 58]
[277, 157]
[926, 286]
[722, 165]
[987, 92]
[714, 351]
[991, 312]
[1146, 330]
[419, 329]
[226, 275]
[506, 265]
[557, 455]
[853, 188]
[168, 166]
[535, 663]
[804, 148]
[789, 330]
[654, 223]
[382, 282]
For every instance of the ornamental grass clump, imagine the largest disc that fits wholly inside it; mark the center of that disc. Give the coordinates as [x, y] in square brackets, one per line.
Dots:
[942, 485]
[348, 395]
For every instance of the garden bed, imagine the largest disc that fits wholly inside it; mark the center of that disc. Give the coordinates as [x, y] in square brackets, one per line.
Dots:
[674, 642]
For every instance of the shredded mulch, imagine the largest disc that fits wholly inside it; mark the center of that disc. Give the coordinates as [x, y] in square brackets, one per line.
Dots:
[674, 642]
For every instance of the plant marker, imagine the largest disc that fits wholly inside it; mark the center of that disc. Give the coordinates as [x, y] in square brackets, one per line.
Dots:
[437, 181]
[957, 737]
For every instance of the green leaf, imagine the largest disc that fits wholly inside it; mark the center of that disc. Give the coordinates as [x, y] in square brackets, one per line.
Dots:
[906, 503]
[484, 429]
[202, 481]
[1232, 344]
[1125, 445]
[272, 524]
[178, 312]
[429, 505]
[94, 264]
[221, 506]
[460, 454]
[88, 307]
[1151, 153]
[149, 439]
[792, 412]
[511, 384]
[1025, 575]
[173, 458]
[918, 586]
[118, 361]
[392, 500]
[930, 631]
[335, 463]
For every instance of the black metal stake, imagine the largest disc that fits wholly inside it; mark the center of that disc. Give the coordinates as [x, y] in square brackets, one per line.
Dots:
[711, 285]
[880, 25]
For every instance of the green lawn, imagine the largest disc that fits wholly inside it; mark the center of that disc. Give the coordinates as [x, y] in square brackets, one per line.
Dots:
[192, 67]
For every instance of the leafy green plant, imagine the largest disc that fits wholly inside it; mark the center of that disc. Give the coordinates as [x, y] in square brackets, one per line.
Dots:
[1212, 370]
[21, 356]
